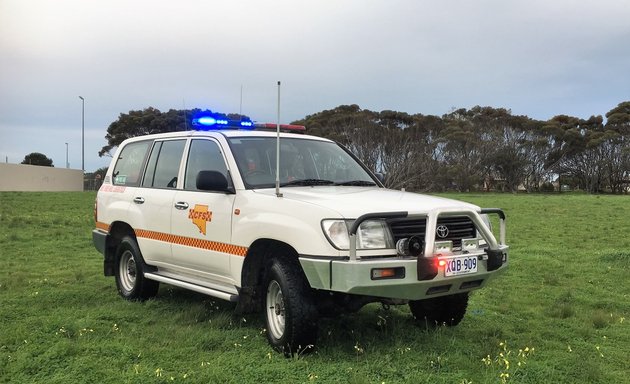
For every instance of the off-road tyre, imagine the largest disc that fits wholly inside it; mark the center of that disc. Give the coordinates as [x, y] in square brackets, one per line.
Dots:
[129, 272]
[438, 311]
[290, 313]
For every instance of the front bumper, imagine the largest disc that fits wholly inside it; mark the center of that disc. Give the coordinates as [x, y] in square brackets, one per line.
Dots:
[355, 277]
[416, 277]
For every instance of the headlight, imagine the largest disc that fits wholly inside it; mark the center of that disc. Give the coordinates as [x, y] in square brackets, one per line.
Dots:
[337, 233]
[372, 234]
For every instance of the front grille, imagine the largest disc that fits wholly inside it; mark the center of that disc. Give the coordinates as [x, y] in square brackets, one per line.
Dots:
[459, 228]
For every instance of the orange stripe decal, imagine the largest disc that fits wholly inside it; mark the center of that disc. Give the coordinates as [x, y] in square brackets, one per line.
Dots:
[187, 241]
[103, 226]
[192, 242]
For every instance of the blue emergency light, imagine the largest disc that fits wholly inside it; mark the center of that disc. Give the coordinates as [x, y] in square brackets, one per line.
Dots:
[206, 121]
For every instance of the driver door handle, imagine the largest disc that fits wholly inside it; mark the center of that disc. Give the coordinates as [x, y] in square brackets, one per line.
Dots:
[181, 205]
[138, 200]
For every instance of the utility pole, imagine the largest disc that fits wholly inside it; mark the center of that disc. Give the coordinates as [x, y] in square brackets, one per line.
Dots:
[82, 133]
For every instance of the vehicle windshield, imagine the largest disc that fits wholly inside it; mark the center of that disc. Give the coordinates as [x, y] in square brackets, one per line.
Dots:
[303, 162]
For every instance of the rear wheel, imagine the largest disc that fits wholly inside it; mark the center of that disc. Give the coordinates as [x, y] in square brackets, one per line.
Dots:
[290, 314]
[445, 310]
[130, 280]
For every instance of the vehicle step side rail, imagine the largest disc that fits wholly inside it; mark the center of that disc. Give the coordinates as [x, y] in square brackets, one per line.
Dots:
[193, 287]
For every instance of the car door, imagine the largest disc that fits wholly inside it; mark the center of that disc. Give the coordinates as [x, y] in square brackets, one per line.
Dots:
[154, 201]
[201, 220]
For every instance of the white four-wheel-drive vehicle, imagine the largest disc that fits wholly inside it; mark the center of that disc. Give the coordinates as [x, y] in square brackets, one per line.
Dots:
[309, 233]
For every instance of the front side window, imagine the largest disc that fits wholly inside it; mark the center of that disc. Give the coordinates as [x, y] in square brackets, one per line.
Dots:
[128, 168]
[204, 155]
[302, 162]
[163, 165]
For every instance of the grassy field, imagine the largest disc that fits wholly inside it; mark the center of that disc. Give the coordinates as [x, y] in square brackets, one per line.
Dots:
[561, 314]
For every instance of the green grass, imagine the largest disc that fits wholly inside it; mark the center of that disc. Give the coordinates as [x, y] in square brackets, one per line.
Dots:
[562, 310]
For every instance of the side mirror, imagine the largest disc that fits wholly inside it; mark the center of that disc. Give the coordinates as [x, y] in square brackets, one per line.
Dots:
[213, 181]
[380, 177]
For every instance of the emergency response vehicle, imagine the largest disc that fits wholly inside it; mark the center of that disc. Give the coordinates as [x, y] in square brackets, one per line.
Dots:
[309, 233]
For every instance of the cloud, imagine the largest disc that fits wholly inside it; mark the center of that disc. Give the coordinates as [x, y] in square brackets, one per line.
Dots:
[538, 58]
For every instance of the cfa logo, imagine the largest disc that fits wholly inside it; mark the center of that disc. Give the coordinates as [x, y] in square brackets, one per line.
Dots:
[200, 216]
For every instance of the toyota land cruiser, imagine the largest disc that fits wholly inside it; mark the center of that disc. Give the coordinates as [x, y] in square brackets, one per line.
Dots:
[308, 233]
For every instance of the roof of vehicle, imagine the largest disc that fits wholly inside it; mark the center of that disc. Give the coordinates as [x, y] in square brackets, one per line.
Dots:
[228, 133]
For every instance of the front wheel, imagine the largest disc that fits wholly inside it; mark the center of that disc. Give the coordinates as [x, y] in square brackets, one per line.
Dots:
[444, 310]
[130, 280]
[290, 314]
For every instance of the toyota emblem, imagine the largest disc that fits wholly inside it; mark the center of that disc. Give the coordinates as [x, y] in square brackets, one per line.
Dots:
[441, 231]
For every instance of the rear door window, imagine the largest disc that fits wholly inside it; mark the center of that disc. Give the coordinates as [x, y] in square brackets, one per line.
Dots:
[128, 168]
[163, 167]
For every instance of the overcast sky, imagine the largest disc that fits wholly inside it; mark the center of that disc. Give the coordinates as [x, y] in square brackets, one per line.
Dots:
[539, 58]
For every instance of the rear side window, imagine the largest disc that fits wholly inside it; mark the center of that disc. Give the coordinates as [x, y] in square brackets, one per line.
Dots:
[129, 164]
[163, 166]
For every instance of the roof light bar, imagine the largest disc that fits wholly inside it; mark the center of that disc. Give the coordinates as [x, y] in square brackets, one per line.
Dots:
[211, 121]
[217, 121]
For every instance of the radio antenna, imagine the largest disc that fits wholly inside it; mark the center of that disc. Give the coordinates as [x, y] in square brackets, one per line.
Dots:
[240, 107]
[185, 117]
[278, 194]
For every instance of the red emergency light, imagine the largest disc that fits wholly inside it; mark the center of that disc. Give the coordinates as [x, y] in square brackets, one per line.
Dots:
[286, 128]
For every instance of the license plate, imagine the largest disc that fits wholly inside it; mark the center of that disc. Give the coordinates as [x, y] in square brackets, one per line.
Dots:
[460, 266]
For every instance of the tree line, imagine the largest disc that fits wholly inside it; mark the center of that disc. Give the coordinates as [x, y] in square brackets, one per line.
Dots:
[482, 148]
[485, 148]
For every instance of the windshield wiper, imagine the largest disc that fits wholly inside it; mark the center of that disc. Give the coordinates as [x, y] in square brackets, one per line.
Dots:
[308, 182]
[357, 183]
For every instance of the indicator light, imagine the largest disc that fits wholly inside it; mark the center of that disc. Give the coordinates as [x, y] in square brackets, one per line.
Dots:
[388, 273]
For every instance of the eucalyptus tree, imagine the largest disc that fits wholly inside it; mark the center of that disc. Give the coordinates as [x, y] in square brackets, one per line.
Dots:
[616, 148]
[577, 150]
[148, 121]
